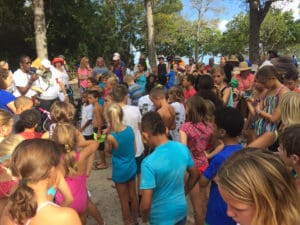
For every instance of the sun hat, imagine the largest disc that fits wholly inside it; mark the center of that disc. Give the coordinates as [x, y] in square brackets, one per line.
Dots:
[116, 57]
[58, 60]
[46, 63]
[161, 57]
[243, 66]
[233, 58]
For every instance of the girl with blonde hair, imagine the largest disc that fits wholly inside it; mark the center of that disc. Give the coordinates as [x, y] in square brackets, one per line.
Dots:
[121, 143]
[29, 202]
[6, 124]
[258, 189]
[74, 166]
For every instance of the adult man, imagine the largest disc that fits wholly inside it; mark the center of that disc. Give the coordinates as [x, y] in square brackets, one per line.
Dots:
[23, 79]
[52, 85]
[100, 68]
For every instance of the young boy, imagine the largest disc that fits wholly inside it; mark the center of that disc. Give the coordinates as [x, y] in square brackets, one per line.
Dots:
[132, 117]
[167, 113]
[93, 98]
[188, 85]
[28, 122]
[22, 103]
[229, 123]
[289, 150]
[86, 127]
[134, 90]
[163, 171]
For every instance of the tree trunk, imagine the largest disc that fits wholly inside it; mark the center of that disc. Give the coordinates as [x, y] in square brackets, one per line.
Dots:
[151, 43]
[254, 38]
[197, 41]
[40, 29]
[257, 15]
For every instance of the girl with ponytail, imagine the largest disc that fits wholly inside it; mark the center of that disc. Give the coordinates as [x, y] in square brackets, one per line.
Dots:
[121, 143]
[74, 165]
[35, 163]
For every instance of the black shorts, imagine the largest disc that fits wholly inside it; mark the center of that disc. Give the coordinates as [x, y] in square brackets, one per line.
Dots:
[101, 146]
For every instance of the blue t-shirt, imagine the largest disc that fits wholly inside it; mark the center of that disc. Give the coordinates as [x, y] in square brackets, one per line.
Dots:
[216, 208]
[163, 171]
[5, 98]
[171, 79]
[123, 158]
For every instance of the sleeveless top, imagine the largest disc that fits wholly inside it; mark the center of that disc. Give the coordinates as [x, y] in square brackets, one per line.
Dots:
[230, 100]
[40, 207]
[142, 80]
[77, 185]
[123, 157]
[269, 105]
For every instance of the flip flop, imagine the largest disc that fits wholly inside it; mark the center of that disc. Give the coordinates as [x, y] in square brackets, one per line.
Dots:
[100, 167]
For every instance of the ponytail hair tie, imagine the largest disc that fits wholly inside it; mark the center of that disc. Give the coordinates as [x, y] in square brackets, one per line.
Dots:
[23, 182]
[67, 147]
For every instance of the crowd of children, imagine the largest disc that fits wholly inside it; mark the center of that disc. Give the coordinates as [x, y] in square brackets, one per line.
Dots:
[169, 135]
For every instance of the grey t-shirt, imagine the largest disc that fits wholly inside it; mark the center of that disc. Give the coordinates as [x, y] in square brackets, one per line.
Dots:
[99, 70]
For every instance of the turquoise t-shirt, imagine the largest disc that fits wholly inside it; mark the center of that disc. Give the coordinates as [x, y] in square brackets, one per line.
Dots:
[163, 171]
[123, 158]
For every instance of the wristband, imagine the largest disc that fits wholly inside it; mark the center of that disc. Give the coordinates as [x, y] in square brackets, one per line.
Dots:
[258, 111]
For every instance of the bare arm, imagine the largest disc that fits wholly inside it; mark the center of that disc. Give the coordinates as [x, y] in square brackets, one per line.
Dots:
[276, 116]
[226, 95]
[182, 137]
[264, 141]
[192, 179]
[63, 187]
[12, 107]
[146, 204]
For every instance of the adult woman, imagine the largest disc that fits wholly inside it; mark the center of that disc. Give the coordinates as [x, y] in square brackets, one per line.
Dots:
[7, 99]
[59, 66]
[29, 203]
[58, 63]
[245, 78]
[84, 71]
[258, 189]
[142, 75]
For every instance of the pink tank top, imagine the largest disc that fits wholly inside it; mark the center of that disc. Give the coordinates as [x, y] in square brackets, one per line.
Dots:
[77, 185]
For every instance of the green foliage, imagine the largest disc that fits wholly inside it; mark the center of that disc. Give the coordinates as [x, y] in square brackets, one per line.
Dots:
[277, 32]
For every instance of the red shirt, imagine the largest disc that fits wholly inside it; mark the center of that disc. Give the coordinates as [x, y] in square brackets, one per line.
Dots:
[189, 93]
[297, 90]
[31, 135]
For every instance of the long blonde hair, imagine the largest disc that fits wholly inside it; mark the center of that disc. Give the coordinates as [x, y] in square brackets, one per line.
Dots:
[259, 177]
[65, 135]
[114, 115]
[290, 107]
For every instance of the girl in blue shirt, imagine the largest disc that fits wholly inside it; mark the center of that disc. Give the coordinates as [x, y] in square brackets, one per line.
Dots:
[120, 142]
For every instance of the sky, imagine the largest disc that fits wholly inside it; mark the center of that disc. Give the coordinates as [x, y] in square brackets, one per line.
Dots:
[232, 8]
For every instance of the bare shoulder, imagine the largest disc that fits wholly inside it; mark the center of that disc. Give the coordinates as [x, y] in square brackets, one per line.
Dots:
[63, 215]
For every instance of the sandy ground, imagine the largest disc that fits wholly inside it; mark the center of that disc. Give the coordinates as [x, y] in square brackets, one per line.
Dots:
[106, 198]
[104, 195]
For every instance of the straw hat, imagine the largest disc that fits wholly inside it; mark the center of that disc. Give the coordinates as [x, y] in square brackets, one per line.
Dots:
[243, 66]
[233, 58]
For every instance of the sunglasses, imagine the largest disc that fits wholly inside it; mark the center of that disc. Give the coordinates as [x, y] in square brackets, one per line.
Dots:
[27, 63]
